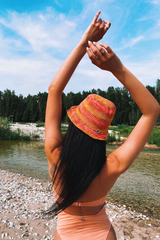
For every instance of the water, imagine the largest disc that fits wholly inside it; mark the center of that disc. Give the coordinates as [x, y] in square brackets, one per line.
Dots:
[26, 158]
[138, 188]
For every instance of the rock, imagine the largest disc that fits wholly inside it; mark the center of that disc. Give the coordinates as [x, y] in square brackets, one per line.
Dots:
[22, 224]
[11, 225]
[3, 235]
[36, 234]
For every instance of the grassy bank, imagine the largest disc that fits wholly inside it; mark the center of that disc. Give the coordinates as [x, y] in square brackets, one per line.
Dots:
[121, 130]
[125, 130]
[7, 134]
[155, 137]
[117, 134]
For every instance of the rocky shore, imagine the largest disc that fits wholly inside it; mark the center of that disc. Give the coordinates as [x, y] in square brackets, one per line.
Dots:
[29, 129]
[23, 198]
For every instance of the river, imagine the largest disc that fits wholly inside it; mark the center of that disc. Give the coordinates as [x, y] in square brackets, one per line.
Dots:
[137, 189]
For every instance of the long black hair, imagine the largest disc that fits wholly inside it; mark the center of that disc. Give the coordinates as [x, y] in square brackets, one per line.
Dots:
[80, 161]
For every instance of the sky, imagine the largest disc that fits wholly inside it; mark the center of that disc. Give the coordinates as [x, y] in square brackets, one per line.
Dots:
[36, 36]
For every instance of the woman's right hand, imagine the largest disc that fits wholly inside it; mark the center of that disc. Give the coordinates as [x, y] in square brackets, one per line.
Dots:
[103, 57]
[96, 30]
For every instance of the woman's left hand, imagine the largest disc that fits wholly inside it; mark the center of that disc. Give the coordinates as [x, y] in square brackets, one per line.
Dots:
[103, 57]
[96, 29]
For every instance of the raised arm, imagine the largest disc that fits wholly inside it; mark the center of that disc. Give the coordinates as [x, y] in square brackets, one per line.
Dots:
[126, 154]
[53, 137]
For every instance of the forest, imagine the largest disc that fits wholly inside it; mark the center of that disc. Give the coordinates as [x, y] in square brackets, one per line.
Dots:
[32, 108]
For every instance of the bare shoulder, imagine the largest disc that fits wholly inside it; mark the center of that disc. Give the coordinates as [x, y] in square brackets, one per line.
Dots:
[111, 167]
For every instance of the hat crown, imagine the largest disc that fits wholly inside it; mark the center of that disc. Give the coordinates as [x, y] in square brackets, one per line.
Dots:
[101, 105]
[93, 116]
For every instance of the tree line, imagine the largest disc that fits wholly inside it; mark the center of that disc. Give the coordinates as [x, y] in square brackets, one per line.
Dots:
[32, 108]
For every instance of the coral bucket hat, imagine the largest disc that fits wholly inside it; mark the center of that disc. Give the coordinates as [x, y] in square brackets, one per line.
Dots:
[93, 116]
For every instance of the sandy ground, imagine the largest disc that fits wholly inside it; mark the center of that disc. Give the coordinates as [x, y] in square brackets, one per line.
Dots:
[22, 199]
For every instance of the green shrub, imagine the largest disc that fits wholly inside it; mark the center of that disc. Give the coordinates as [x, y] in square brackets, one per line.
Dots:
[63, 134]
[4, 133]
[119, 138]
[155, 137]
[14, 136]
[111, 128]
[4, 122]
[124, 130]
[122, 126]
[25, 137]
[40, 125]
[111, 138]
[64, 128]
[36, 136]
[7, 134]
[4, 129]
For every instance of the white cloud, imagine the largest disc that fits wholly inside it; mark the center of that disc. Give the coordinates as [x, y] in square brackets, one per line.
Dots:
[27, 64]
[131, 42]
[41, 31]
[28, 75]
[155, 2]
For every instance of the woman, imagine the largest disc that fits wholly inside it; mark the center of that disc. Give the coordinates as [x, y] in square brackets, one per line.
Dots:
[80, 172]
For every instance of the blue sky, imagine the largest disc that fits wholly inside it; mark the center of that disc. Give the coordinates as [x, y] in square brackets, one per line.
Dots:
[36, 36]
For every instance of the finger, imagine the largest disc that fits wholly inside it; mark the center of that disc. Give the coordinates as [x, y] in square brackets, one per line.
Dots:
[109, 50]
[96, 17]
[98, 23]
[99, 20]
[107, 25]
[94, 50]
[100, 48]
[92, 57]
[88, 50]
[102, 25]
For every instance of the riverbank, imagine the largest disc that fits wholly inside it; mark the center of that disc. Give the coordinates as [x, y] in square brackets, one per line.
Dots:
[147, 146]
[30, 129]
[22, 198]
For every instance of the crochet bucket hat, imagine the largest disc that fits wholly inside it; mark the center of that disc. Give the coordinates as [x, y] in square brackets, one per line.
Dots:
[93, 116]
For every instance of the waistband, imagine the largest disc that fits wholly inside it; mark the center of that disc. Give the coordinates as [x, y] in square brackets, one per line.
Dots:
[94, 203]
[90, 204]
